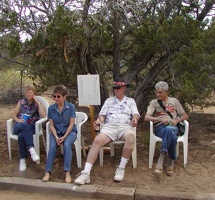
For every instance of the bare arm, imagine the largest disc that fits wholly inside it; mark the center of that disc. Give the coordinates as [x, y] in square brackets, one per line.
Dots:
[100, 120]
[135, 119]
[148, 117]
[183, 117]
[16, 112]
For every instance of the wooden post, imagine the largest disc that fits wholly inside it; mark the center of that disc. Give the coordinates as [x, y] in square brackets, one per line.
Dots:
[92, 122]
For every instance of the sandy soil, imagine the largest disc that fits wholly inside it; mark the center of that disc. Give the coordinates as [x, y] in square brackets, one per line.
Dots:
[197, 177]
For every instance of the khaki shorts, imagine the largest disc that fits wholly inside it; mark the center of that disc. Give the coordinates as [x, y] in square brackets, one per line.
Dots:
[115, 132]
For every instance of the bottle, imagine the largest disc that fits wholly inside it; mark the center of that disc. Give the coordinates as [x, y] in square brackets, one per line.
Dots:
[97, 128]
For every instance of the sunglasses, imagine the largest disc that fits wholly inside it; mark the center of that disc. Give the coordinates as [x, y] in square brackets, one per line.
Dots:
[56, 96]
[117, 87]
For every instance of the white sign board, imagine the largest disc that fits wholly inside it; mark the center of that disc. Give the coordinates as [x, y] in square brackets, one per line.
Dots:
[88, 90]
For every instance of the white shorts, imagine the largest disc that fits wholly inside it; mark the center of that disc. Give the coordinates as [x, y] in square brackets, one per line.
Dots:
[115, 132]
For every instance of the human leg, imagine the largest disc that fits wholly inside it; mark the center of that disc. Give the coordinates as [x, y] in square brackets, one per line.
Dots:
[129, 138]
[159, 166]
[99, 141]
[22, 146]
[67, 145]
[27, 131]
[169, 141]
[51, 157]
[170, 167]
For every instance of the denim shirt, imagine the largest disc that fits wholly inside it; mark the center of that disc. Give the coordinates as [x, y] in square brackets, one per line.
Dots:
[30, 109]
[62, 120]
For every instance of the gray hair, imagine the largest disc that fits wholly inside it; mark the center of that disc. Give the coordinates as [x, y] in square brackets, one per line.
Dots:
[163, 85]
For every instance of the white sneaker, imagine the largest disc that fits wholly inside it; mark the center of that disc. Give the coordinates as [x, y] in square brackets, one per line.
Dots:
[22, 165]
[119, 174]
[82, 178]
[34, 155]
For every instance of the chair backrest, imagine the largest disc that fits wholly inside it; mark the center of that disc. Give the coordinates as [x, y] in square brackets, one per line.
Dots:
[81, 117]
[44, 102]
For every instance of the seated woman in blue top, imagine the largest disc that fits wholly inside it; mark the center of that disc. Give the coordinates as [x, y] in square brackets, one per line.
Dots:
[25, 128]
[61, 116]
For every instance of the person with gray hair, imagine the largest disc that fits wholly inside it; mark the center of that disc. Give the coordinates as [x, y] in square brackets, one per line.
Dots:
[165, 112]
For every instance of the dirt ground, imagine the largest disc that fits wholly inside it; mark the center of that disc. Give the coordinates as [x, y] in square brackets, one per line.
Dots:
[198, 176]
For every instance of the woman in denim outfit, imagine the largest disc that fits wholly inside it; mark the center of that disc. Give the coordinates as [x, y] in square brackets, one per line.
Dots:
[26, 129]
[61, 116]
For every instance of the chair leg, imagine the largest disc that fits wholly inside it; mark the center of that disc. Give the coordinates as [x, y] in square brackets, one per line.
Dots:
[111, 149]
[37, 145]
[78, 154]
[151, 152]
[134, 156]
[185, 148]
[61, 149]
[101, 155]
[83, 147]
[177, 149]
[44, 143]
[9, 148]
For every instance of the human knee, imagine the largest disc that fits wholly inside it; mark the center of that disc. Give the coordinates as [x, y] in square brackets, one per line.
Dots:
[67, 145]
[129, 140]
[99, 141]
[130, 137]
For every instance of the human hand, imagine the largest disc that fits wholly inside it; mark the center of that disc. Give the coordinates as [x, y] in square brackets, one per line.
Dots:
[166, 122]
[20, 120]
[96, 124]
[174, 122]
[58, 140]
[61, 139]
[35, 99]
[134, 122]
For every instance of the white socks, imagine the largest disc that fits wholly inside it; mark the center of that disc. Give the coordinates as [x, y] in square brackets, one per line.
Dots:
[34, 155]
[87, 168]
[22, 165]
[123, 162]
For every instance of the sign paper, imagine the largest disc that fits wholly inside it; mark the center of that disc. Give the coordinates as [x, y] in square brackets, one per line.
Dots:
[88, 90]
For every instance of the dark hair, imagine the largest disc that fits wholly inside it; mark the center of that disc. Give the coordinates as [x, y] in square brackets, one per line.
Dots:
[61, 89]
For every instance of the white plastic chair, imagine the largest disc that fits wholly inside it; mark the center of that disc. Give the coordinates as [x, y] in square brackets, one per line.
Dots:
[38, 130]
[154, 139]
[134, 152]
[81, 118]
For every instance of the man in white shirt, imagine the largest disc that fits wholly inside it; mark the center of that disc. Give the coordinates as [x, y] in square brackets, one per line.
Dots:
[119, 116]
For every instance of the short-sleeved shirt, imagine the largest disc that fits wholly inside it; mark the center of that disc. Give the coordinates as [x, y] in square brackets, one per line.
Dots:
[62, 119]
[119, 112]
[172, 105]
[30, 109]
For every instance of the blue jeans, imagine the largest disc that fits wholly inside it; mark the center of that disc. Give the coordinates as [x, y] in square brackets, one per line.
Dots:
[169, 135]
[67, 149]
[25, 134]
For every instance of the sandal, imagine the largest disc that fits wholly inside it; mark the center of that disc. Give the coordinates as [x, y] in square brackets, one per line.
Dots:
[169, 171]
[158, 170]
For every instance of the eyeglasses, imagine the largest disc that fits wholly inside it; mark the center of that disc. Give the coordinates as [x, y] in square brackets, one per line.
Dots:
[58, 96]
[117, 87]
